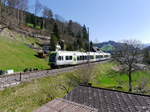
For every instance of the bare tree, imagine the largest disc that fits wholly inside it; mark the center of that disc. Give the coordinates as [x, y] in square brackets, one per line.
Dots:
[37, 8]
[20, 6]
[82, 76]
[23, 6]
[0, 8]
[47, 13]
[6, 12]
[13, 3]
[128, 54]
[1, 5]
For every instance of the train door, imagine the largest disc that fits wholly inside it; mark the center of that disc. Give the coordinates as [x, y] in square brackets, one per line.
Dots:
[74, 59]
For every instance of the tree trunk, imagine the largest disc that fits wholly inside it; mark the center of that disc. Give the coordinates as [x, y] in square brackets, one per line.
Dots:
[43, 23]
[18, 16]
[34, 25]
[22, 17]
[0, 8]
[130, 81]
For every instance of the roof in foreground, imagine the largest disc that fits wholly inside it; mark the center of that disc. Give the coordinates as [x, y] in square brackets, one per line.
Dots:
[106, 100]
[62, 105]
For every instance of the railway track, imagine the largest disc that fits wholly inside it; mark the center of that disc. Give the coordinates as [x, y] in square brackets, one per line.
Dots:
[15, 79]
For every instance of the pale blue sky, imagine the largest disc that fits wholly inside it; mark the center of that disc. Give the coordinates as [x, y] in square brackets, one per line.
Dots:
[107, 19]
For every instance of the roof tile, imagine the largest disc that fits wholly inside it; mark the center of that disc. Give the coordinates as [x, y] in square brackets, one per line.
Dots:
[106, 100]
[62, 105]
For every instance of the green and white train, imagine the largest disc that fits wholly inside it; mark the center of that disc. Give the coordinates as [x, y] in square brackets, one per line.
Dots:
[65, 58]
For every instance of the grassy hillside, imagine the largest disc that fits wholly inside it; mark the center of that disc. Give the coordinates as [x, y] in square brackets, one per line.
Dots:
[31, 95]
[108, 78]
[108, 48]
[15, 54]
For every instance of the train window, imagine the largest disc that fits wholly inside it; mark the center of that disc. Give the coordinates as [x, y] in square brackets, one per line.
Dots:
[106, 56]
[101, 56]
[78, 58]
[91, 57]
[88, 57]
[85, 57]
[82, 57]
[97, 56]
[60, 58]
[68, 57]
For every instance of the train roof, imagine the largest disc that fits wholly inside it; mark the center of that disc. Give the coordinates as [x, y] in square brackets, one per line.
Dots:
[82, 53]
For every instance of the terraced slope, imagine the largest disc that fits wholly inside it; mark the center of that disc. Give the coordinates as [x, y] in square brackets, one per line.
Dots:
[15, 54]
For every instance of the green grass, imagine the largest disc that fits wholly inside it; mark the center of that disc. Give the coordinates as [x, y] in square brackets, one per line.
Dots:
[14, 54]
[32, 26]
[108, 48]
[30, 96]
[108, 78]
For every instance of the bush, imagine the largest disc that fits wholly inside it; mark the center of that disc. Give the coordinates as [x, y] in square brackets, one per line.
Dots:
[30, 69]
[26, 70]
[2, 72]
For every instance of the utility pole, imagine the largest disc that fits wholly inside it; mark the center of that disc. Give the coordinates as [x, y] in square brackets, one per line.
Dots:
[20, 77]
[88, 47]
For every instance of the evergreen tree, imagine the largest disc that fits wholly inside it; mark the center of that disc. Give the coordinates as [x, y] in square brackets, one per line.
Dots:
[78, 35]
[86, 46]
[53, 43]
[80, 44]
[84, 33]
[85, 38]
[91, 46]
[56, 31]
[69, 28]
[76, 45]
[69, 47]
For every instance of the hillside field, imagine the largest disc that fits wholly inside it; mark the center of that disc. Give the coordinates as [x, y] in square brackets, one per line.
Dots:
[15, 54]
[107, 77]
[29, 96]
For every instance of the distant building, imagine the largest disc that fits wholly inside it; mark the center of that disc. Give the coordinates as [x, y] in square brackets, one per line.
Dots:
[96, 49]
[140, 66]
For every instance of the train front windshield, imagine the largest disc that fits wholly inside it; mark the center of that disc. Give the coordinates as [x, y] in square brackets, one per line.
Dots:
[52, 57]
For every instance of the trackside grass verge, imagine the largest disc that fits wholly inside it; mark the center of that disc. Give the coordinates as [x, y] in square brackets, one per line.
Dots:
[29, 96]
